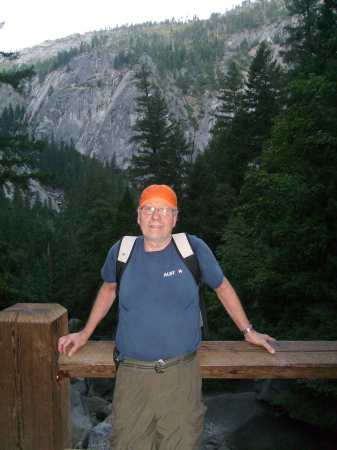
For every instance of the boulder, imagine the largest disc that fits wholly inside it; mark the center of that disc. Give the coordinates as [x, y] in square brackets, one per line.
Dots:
[101, 387]
[80, 385]
[99, 436]
[81, 422]
[99, 407]
[225, 414]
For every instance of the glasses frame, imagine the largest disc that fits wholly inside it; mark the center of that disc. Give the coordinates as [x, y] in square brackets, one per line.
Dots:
[172, 211]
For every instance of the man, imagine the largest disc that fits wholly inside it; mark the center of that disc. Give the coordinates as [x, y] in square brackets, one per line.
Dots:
[157, 400]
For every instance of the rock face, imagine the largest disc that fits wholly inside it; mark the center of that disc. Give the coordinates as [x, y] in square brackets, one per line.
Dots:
[90, 102]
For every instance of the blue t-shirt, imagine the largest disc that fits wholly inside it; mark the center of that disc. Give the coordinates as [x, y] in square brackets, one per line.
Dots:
[159, 315]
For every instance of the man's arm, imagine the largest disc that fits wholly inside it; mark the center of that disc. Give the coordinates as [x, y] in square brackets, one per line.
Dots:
[105, 298]
[232, 304]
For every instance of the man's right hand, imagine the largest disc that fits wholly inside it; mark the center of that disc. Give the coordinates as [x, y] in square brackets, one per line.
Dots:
[77, 340]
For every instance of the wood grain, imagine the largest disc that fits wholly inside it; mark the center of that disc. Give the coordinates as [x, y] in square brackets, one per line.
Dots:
[224, 359]
[35, 411]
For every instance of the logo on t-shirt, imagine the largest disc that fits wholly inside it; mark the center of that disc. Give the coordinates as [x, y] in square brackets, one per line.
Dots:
[173, 272]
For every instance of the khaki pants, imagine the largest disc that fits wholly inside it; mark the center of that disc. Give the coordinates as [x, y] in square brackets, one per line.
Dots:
[158, 410]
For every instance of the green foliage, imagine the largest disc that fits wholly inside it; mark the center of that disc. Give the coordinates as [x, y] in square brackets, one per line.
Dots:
[25, 234]
[163, 149]
[281, 238]
[11, 121]
[83, 232]
[313, 401]
[311, 45]
[231, 96]
[16, 151]
[191, 52]
[206, 206]
[231, 151]
[262, 99]
[125, 222]
[17, 77]
[15, 161]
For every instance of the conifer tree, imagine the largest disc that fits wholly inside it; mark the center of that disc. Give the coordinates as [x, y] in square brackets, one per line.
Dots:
[231, 95]
[124, 222]
[163, 151]
[262, 98]
[15, 151]
[230, 103]
[237, 140]
[300, 40]
[311, 43]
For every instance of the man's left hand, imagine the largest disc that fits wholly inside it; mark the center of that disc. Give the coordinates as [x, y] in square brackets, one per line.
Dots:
[262, 340]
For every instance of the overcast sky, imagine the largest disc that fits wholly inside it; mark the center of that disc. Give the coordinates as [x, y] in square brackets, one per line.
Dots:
[30, 22]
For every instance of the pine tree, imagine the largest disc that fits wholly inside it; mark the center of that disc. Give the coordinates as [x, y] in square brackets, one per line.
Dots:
[152, 135]
[14, 151]
[124, 222]
[231, 101]
[282, 235]
[231, 95]
[262, 98]
[237, 140]
[163, 151]
[301, 37]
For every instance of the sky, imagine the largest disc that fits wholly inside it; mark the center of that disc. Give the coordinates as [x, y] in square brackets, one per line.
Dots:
[31, 22]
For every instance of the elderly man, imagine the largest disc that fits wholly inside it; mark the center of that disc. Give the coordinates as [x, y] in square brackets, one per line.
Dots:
[159, 323]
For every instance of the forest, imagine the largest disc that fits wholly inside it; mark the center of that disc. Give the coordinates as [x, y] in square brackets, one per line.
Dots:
[263, 194]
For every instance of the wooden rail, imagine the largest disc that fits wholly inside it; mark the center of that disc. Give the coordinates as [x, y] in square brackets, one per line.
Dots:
[234, 359]
[34, 379]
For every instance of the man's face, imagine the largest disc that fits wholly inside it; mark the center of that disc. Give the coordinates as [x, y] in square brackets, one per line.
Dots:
[156, 228]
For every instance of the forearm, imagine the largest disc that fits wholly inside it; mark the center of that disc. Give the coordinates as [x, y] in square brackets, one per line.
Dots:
[232, 304]
[104, 300]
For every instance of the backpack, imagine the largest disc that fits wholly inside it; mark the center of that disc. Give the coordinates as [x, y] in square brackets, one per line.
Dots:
[185, 251]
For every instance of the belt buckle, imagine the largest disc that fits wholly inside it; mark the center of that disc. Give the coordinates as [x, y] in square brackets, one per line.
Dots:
[160, 366]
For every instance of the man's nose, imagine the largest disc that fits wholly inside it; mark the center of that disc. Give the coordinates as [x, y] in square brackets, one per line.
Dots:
[156, 214]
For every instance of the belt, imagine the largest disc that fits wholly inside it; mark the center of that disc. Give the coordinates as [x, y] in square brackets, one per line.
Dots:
[159, 366]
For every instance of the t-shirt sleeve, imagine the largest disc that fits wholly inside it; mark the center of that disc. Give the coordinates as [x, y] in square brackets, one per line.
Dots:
[108, 272]
[211, 271]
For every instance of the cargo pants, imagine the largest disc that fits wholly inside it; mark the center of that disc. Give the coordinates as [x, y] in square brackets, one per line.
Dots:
[158, 411]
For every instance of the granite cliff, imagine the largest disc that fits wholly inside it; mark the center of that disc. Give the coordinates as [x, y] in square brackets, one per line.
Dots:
[91, 102]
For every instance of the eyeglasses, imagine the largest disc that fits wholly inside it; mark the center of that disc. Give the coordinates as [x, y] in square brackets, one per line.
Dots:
[164, 212]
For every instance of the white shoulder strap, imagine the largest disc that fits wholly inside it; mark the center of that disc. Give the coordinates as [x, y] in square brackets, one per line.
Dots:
[125, 248]
[183, 244]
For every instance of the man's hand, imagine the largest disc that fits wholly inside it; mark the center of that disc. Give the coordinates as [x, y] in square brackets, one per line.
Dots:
[77, 340]
[260, 339]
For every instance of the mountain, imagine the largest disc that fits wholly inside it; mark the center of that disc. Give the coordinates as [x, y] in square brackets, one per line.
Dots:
[84, 89]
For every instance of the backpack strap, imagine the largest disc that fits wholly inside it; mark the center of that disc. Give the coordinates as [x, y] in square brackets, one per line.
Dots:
[185, 250]
[126, 247]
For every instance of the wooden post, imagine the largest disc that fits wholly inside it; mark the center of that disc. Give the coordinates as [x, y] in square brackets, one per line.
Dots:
[35, 409]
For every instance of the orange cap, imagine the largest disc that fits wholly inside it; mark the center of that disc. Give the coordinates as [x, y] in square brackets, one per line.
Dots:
[158, 193]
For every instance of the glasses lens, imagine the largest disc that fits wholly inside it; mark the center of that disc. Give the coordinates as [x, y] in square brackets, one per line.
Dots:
[164, 212]
[148, 210]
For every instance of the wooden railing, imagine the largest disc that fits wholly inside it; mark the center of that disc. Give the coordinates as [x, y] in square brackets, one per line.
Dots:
[34, 379]
[220, 359]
